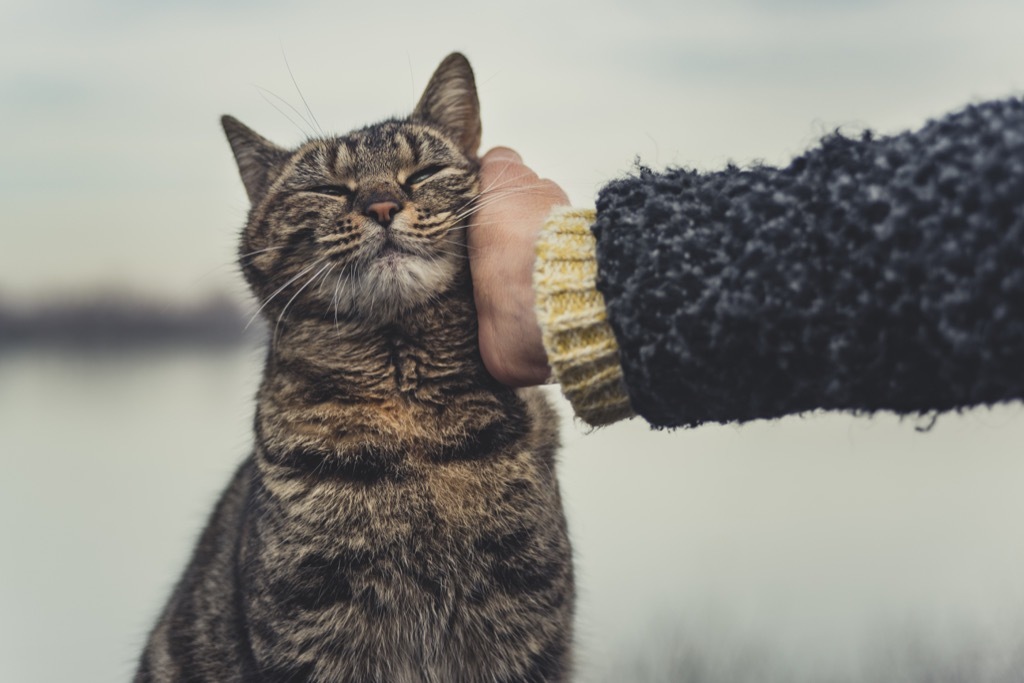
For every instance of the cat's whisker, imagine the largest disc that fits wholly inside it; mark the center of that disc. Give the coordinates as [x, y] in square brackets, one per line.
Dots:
[514, 188]
[334, 297]
[249, 259]
[323, 280]
[205, 275]
[258, 251]
[282, 112]
[501, 192]
[509, 191]
[485, 224]
[299, 90]
[278, 291]
[453, 254]
[497, 178]
[230, 264]
[337, 291]
[294, 296]
[483, 201]
[469, 202]
[461, 245]
[494, 184]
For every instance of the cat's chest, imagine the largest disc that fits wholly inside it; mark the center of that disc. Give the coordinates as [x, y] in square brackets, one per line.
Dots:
[427, 502]
[420, 545]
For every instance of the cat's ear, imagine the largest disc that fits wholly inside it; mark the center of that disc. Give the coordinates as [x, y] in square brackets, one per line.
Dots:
[450, 102]
[258, 159]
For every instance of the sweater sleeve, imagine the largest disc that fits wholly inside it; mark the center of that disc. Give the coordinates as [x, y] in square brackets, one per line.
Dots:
[878, 273]
[580, 345]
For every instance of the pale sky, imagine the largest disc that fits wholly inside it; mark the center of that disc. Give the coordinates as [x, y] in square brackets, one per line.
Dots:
[116, 175]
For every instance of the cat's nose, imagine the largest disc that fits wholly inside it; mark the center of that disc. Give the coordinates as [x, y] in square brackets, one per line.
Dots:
[382, 212]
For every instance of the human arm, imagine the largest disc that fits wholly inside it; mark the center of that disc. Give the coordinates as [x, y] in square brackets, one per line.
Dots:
[868, 274]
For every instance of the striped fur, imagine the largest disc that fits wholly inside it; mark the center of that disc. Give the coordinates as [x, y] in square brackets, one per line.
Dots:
[399, 519]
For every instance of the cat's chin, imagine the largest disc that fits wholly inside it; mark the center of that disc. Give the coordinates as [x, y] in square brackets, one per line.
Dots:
[397, 283]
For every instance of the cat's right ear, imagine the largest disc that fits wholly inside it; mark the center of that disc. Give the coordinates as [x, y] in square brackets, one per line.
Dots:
[450, 101]
[258, 158]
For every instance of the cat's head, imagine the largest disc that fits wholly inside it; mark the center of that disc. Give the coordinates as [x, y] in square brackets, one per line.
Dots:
[369, 225]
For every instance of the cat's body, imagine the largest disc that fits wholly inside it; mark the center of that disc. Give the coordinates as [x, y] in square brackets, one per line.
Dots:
[399, 519]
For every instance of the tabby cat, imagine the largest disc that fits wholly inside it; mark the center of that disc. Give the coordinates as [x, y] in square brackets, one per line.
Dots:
[399, 519]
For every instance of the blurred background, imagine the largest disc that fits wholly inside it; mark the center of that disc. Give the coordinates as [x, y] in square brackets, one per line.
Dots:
[813, 548]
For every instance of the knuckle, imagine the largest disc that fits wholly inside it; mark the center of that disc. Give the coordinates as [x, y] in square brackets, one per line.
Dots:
[551, 188]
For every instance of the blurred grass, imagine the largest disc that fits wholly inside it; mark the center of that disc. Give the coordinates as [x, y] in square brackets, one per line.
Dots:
[916, 653]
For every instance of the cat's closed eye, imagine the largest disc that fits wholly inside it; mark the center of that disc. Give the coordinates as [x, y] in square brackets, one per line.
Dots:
[332, 190]
[419, 176]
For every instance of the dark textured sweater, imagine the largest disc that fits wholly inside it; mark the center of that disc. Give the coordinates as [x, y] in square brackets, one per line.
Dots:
[879, 273]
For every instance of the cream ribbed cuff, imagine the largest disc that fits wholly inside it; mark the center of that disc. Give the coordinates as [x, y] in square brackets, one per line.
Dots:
[580, 344]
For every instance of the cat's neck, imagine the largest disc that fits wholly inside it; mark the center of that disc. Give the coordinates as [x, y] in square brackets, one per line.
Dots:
[424, 352]
[415, 386]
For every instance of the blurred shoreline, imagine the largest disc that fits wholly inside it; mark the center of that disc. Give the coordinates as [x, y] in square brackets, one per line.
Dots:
[111, 323]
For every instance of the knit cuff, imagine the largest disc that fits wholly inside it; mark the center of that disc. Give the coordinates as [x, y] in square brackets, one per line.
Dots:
[580, 344]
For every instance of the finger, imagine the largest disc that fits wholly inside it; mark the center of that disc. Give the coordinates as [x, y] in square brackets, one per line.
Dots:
[552, 190]
[504, 175]
[503, 166]
[506, 154]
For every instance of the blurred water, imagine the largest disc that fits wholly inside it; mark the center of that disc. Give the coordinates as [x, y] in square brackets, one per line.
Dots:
[110, 468]
[825, 546]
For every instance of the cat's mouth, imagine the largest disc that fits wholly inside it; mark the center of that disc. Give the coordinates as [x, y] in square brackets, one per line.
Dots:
[392, 256]
[389, 249]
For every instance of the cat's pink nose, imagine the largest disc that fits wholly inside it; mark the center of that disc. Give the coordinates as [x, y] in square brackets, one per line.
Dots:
[383, 212]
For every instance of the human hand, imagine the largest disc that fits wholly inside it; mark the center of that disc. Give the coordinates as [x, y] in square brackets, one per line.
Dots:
[502, 233]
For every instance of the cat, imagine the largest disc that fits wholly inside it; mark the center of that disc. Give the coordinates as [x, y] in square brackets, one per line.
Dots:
[399, 519]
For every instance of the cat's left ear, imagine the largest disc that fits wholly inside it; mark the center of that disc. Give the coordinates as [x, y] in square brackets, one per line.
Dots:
[259, 160]
[450, 102]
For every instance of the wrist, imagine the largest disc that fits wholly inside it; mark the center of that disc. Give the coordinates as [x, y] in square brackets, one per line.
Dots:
[580, 344]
